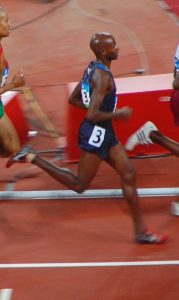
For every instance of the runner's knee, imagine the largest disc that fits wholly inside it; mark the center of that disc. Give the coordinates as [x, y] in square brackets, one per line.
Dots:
[129, 177]
[10, 149]
[10, 146]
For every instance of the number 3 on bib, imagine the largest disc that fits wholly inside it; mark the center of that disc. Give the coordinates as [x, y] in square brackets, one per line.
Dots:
[97, 136]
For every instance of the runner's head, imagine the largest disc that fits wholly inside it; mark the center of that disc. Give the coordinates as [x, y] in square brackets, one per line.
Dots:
[5, 26]
[104, 47]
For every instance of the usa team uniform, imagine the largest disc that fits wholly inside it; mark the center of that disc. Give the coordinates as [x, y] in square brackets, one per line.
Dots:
[97, 137]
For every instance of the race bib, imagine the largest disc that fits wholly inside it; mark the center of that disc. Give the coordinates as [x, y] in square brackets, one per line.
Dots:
[97, 136]
[85, 92]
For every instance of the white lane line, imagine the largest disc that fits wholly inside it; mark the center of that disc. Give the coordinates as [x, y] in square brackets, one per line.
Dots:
[100, 193]
[5, 294]
[89, 264]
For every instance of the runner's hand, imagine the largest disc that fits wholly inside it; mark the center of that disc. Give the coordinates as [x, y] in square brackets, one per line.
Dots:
[123, 113]
[18, 79]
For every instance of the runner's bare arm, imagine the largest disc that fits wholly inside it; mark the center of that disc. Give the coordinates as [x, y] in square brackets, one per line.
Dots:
[76, 97]
[101, 85]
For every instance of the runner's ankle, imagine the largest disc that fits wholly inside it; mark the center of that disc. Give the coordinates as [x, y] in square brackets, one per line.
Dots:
[30, 157]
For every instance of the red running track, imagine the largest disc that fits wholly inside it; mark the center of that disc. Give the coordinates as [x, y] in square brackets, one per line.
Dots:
[50, 42]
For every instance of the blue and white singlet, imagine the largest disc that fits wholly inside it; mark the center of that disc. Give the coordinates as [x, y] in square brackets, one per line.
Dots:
[97, 137]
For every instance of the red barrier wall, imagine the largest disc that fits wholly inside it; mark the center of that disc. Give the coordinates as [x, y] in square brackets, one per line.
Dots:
[174, 5]
[15, 113]
[148, 96]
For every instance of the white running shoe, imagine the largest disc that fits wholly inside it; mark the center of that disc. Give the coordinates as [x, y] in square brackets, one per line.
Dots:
[141, 136]
[175, 209]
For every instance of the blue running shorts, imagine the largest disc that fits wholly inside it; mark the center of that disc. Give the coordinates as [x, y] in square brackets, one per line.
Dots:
[96, 139]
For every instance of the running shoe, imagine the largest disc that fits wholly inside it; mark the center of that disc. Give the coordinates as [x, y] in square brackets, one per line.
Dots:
[150, 237]
[175, 209]
[19, 157]
[141, 136]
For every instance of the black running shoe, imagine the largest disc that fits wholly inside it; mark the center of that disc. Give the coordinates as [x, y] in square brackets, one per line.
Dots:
[19, 157]
[150, 237]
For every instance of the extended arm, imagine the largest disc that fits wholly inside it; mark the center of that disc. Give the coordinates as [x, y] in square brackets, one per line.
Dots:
[101, 85]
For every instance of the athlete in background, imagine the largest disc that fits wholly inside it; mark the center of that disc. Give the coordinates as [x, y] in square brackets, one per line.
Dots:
[9, 141]
[174, 105]
[149, 133]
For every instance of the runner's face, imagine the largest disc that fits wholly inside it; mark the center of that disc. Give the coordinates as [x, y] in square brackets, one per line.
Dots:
[4, 25]
[111, 49]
